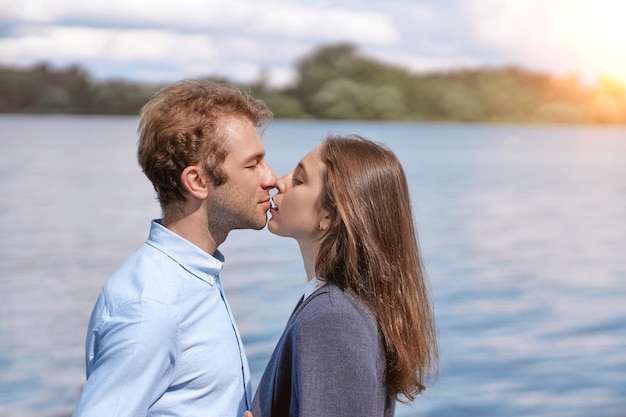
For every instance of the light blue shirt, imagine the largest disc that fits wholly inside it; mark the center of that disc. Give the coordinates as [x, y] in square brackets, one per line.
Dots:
[162, 339]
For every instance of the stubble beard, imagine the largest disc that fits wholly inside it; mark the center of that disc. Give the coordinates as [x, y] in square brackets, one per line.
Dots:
[248, 223]
[231, 216]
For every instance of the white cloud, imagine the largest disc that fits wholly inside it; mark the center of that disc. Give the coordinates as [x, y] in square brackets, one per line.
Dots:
[423, 63]
[237, 38]
[507, 24]
[82, 43]
[326, 24]
[279, 77]
[277, 18]
[27, 11]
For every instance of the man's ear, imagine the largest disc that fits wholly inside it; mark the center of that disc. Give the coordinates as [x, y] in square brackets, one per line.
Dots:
[194, 183]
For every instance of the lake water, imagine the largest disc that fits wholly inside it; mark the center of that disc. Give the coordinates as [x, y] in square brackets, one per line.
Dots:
[523, 232]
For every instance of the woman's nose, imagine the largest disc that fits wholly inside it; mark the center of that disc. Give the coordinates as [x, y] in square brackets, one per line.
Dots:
[281, 183]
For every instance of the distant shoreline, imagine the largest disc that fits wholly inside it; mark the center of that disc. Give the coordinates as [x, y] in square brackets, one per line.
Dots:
[338, 83]
[342, 121]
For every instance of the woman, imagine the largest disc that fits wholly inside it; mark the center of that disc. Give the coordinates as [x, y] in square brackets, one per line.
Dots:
[364, 334]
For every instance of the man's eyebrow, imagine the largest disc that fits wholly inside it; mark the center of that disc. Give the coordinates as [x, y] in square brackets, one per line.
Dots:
[254, 157]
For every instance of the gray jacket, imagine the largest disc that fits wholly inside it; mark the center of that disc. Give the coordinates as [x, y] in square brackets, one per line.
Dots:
[329, 362]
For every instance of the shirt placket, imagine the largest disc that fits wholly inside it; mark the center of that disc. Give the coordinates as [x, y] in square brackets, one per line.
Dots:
[244, 370]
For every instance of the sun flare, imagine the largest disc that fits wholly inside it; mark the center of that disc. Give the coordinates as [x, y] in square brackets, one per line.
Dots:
[595, 32]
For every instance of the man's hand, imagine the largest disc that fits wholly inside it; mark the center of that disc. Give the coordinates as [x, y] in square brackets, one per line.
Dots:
[248, 414]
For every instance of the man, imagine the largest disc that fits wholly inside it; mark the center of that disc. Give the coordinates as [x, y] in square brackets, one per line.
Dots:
[162, 339]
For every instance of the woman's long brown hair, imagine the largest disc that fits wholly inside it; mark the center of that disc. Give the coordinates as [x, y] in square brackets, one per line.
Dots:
[372, 251]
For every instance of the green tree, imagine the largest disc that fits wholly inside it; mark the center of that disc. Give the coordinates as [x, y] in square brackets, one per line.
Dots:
[338, 82]
[366, 88]
[343, 98]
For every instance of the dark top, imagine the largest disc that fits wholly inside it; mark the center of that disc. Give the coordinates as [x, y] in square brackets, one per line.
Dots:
[330, 362]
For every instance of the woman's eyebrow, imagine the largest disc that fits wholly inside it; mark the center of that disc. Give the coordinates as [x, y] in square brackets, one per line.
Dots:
[300, 167]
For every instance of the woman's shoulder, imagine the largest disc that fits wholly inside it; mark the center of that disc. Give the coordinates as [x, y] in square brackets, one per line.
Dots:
[334, 304]
[333, 317]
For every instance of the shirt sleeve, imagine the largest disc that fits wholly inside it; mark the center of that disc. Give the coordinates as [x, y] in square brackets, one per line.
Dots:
[337, 365]
[134, 357]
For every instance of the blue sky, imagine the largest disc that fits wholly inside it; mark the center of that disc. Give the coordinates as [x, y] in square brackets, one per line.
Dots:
[162, 41]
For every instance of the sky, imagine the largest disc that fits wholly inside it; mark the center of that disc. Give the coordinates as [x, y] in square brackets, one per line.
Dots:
[244, 40]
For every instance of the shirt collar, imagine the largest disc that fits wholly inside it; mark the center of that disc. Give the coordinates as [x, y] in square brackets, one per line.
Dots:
[185, 253]
[311, 286]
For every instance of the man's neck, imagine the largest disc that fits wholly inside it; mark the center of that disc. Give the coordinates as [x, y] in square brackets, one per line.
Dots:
[194, 228]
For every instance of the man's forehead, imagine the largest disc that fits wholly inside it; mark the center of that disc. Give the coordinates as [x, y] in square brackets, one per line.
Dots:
[242, 141]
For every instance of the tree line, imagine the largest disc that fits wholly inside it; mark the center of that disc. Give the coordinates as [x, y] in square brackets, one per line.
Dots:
[338, 82]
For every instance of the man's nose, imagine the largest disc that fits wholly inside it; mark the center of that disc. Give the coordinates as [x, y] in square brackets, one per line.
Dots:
[269, 181]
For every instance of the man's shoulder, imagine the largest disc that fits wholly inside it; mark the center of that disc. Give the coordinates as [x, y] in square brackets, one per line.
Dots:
[146, 273]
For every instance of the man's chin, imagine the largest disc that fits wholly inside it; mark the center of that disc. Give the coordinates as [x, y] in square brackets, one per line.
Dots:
[250, 227]
[254, 223]
[260, 224]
